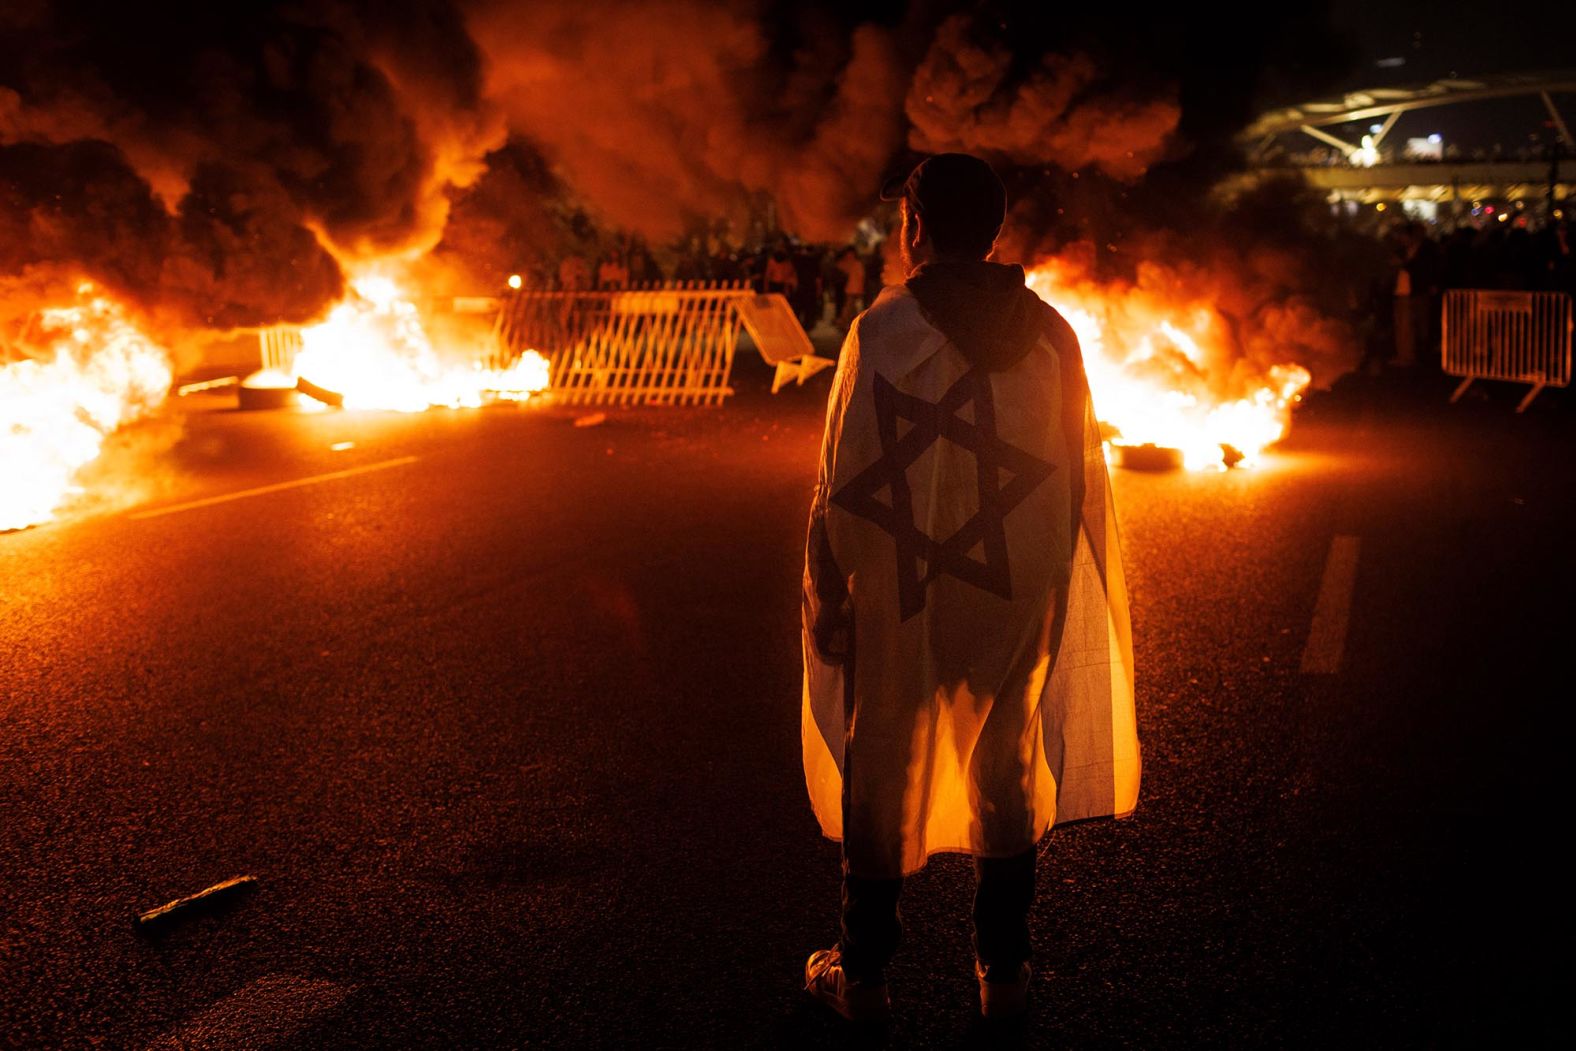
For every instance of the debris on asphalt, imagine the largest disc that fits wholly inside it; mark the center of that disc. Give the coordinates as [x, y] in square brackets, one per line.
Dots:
[206, 385]
[332, 398]
[594, 419]
[204, 902]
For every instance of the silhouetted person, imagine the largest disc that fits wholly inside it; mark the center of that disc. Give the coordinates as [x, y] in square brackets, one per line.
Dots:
[852, 287]
[1559, 252]
[574, 274]
[961, 543]
[806, 296]
[611, 273]
[779, 274]
[1417, 272]
[643, 267]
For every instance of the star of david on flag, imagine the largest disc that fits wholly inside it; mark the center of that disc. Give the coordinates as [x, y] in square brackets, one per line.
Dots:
[1005, 475]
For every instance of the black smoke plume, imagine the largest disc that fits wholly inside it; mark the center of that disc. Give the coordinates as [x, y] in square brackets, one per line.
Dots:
[220, 163]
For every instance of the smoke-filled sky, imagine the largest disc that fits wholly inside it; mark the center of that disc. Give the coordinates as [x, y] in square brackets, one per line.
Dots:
[220, 163]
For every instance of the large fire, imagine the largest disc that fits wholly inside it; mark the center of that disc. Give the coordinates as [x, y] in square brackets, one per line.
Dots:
[73, 375]
[374, 352]
[1162, 371]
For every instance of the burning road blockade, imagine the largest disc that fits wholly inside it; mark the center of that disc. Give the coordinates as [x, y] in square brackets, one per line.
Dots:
[75, 373]
[589, 504]
[329, 172]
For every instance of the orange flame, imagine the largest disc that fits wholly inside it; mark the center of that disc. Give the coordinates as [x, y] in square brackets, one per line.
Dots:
[1162, 372]
[82, 371]
[374, 350]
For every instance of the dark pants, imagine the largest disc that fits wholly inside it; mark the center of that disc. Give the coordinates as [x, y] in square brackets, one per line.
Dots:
[1003, 893]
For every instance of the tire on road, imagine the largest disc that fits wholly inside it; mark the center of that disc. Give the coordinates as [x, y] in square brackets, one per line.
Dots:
[257, 398]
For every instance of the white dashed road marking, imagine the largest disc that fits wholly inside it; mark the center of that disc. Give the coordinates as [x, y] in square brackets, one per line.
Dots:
[1327, 638]
[272, 1009]
[242, 494]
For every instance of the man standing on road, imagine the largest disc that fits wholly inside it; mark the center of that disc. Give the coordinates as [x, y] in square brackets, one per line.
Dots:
[968, 666]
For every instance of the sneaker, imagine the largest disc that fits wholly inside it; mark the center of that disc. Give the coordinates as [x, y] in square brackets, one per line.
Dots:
[856, 1001]
[1005, 996]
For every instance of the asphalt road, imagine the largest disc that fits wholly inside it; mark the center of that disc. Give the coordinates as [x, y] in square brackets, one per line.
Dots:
[505, 721]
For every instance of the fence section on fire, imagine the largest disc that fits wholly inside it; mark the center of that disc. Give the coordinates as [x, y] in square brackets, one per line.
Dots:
[279, 346]
[670, 344]
[1518, 337]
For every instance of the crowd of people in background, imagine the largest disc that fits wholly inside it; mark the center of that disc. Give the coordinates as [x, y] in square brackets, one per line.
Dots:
[1401, 318]
[1503, 255]
[1397, 316]
[824, 284]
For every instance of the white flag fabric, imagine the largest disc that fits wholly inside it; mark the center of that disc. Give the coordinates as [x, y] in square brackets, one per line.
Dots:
[967, 652]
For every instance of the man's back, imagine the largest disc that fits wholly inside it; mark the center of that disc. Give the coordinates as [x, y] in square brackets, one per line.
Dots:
[987, 487]
[968, 672]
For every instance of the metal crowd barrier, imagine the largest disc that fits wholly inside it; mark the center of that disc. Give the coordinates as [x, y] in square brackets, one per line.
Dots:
[279, 346]
[665, 344]
[1518, 337]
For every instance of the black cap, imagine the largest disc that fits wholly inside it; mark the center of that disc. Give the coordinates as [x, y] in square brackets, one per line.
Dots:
[959, 196]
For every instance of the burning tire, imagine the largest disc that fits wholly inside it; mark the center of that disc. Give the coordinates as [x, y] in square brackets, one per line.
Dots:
[1148, 457]
[264, 390]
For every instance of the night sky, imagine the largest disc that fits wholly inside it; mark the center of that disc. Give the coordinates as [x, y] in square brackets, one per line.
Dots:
[1412, 43]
